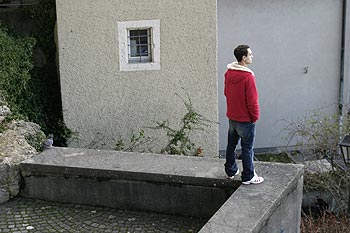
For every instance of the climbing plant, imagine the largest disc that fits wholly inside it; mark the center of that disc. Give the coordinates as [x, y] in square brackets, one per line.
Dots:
[178, 138]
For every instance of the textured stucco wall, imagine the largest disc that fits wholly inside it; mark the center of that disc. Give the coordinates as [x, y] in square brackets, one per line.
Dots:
[102, 103]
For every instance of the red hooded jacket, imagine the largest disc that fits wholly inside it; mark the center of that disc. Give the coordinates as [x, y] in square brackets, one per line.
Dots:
[241, 94]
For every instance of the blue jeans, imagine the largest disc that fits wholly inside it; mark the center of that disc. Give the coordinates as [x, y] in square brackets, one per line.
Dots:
[244, 131]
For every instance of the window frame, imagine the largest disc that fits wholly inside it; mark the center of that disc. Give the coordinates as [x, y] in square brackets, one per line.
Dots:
[126, 64]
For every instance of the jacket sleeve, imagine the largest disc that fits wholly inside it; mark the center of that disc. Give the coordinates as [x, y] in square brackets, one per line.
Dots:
[252, 99]
[225, 84]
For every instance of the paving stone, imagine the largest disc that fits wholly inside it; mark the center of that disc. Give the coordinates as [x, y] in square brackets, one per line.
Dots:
[29, 215]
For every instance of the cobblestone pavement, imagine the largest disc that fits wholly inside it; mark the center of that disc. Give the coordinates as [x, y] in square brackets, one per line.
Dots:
[30, 215]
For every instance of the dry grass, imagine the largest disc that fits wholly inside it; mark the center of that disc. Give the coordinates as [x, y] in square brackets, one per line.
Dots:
[325, 223]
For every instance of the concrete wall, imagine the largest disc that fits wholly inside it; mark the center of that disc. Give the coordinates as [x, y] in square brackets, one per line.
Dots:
[287, 213]
[102, 103]
[286, 37]
[273, 206]
[184, 185]
[175, 199]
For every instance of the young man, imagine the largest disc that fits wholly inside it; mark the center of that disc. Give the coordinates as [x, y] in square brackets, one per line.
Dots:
[243, 111]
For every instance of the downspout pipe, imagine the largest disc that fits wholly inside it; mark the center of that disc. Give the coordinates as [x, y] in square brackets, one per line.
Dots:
[343, 111]
[342, 68]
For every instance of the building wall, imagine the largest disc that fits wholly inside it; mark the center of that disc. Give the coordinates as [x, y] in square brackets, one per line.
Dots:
[286, 37]
[101, 103]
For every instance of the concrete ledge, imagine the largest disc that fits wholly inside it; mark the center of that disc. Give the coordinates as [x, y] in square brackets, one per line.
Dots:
[151, 182]
[273, 206]
[129, 166]
[169, 184]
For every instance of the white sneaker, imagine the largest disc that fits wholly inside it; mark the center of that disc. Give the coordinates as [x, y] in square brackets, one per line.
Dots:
[231, 177]
[255, 180]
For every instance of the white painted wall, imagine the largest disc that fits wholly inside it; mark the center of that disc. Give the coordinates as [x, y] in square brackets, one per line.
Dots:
[286, 37]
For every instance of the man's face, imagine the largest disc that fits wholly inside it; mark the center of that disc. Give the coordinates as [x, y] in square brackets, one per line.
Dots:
[249, 58]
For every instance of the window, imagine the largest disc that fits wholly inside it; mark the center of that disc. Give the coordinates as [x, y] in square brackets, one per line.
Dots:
[139, 45]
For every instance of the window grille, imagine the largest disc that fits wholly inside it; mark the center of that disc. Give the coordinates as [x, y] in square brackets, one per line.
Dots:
[139, 45]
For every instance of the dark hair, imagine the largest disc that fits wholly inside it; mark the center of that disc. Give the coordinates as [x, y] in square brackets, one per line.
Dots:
[240, 51]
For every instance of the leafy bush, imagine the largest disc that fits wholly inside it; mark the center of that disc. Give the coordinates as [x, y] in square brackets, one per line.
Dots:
[36, 140]
[33, 92]
[318, 134]
[317, 137]
[335, 183]
[15, 66]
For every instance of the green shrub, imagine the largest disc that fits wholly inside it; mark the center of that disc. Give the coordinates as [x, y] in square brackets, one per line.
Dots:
[317, 136]
[33, 92]
[36, 140]
[15, 66]
[318, 133]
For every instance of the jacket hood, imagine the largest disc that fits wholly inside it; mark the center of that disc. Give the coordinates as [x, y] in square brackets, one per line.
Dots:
[236, 66]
